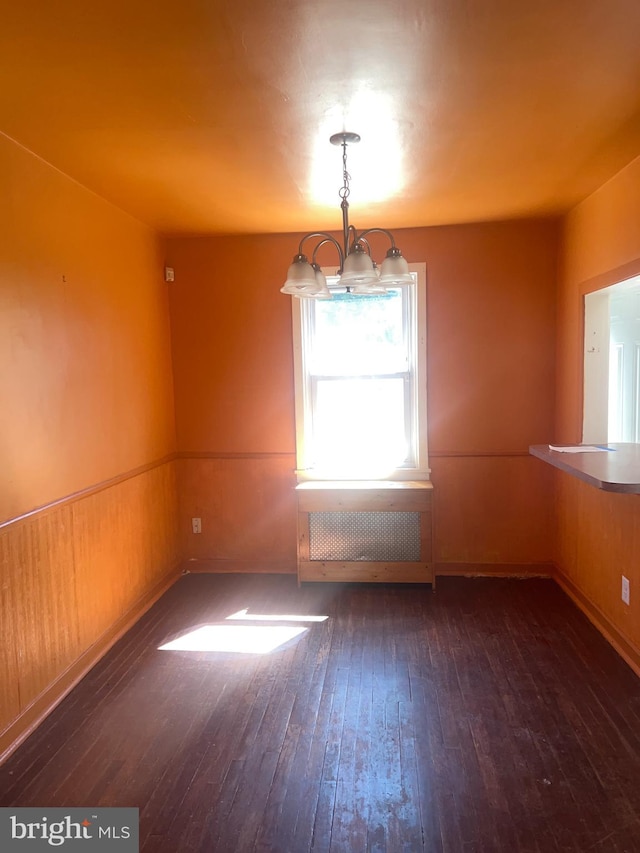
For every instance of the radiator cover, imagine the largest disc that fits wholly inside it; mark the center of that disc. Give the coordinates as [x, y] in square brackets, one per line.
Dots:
[365, 536]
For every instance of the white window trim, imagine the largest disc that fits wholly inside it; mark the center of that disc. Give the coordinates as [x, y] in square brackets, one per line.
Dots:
[599, 327]
[421, 470]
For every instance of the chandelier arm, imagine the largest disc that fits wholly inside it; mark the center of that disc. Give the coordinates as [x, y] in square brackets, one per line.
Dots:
[382, 231]
[354, 238]
[326, 238]
[362, 240]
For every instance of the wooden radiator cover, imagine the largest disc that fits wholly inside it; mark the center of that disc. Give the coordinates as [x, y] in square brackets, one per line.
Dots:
[370, 531]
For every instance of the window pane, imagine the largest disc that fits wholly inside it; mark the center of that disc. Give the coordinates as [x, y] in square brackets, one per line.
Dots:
[355, 335]
[361, 383]
[359, 423]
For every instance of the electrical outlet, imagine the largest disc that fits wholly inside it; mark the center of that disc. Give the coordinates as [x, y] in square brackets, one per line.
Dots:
[196, 525]
[626, 592]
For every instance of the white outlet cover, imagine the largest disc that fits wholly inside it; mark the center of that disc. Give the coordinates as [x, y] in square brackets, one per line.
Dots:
[625, 590]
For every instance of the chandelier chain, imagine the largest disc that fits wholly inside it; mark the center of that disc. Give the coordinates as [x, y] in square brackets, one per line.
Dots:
[346, 177]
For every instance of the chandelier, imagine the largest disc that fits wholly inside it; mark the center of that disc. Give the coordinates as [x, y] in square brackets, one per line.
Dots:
[357, 269]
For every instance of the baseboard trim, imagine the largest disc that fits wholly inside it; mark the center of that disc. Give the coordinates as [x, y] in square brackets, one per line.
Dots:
[249, 567]
[627, 651]
[282, 567]
[34, 714]
[495, 570]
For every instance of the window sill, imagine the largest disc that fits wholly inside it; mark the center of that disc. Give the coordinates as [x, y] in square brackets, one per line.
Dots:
[365, 484]
[398, 476]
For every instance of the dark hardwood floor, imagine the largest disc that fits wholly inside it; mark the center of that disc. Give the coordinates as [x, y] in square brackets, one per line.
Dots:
[489, 716]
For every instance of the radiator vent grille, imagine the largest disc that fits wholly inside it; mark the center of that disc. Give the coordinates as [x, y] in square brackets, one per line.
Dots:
[366, 536]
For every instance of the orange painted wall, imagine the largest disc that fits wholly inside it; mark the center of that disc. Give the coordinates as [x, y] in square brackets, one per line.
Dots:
[84, 338]
[598, 532]
[86, 397]
[491, 332]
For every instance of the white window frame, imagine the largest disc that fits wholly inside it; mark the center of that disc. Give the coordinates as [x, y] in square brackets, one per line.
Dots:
[610, 361]
[418, 368]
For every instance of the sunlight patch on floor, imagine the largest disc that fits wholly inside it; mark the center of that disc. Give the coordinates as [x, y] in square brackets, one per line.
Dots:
[244, 639]
[284, 617]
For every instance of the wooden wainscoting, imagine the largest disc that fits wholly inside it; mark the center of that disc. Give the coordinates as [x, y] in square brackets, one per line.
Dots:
[598, 543]
[75, 576]
[246, 502]
[492, 510]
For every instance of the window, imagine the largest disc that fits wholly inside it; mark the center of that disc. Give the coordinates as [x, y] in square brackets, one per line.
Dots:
[612, 363]
[360, 374]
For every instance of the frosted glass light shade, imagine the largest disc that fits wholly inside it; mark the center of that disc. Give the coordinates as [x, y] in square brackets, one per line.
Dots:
[358, 267]
[395, 269]
[301, 277]
[321, 290]
[369, 288]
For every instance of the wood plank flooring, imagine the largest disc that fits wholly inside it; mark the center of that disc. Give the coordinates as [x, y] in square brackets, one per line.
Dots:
[489, 716]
